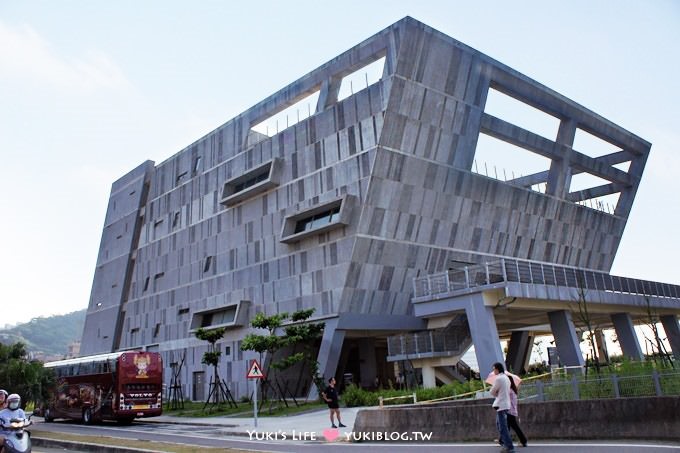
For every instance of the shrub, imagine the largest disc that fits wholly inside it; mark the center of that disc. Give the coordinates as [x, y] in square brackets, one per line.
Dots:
[355, 396]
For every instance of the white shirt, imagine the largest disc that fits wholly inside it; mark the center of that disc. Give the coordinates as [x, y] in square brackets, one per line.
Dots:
[501, 390]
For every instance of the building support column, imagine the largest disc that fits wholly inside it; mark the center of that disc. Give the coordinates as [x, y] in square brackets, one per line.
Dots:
[329, 353]
[601, 345]
[428, 377]
[670, 326]
[484, 334]
[369, 366]
[519, 350]
[625, 332]
[566, 340]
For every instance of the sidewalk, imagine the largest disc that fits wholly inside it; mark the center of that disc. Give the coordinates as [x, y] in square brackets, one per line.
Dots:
[293, 425]
[306, 426]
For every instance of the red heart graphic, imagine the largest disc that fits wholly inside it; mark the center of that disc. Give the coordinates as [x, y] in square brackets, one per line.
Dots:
[331, 434]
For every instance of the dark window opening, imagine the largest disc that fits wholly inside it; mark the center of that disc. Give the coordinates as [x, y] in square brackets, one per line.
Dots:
[317, 220]
[251, 181]
[208, 263]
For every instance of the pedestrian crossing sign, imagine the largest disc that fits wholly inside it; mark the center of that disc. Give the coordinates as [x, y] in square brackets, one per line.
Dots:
[255, 371]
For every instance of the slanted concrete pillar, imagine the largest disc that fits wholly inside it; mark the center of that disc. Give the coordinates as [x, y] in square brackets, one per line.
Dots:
[329, 352]
[566, 340]
[601, 344]
[625, 332]
[428, 377]
[484, 334]
[519, 350]
[670, 325]
[369, 367]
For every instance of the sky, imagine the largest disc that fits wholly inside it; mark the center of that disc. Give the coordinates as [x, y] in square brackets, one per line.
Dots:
[90, 89]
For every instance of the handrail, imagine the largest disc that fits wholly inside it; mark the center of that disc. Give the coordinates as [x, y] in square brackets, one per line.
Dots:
[523, 271]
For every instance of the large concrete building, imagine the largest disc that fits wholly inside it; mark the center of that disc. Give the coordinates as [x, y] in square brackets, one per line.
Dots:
[344, 206]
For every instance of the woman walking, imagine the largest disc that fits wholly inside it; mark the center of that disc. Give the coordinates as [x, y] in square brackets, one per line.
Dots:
[513, 414]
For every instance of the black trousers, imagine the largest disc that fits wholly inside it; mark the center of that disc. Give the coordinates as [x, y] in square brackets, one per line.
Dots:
[513, 424]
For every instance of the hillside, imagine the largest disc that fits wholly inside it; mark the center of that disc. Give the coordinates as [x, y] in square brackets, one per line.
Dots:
[49, 335]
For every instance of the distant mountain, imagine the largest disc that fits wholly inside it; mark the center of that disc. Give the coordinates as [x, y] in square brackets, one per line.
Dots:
[50, 335]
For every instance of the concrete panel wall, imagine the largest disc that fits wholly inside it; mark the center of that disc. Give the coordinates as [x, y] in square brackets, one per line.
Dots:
[621, 418]
[402, 148]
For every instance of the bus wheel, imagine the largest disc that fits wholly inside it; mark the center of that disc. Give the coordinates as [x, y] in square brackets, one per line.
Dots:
[48, 416]
[87, 416]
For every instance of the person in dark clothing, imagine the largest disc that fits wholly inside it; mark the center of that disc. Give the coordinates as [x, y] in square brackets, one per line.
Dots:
[330, 396]
[513, 414]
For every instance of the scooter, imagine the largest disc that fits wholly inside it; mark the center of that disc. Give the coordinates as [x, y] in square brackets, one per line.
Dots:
[15, 437]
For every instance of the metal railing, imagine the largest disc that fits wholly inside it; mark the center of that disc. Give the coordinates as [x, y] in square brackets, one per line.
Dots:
[424, 342]
[521, 271]
[449, 340]
[658, 383]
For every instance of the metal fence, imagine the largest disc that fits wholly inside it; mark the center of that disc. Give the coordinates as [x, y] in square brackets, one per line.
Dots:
[658, 383]
[427, 342]
[521, 271]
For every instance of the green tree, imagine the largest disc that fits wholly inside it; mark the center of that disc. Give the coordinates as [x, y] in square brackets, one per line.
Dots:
[218, 390]
[20, 375]
[299, 337]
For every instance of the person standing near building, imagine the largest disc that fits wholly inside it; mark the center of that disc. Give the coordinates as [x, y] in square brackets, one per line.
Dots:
[513, 414]
[330, 396]
[501, 391]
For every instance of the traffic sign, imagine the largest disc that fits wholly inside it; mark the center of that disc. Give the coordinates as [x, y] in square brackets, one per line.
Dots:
[255, 371]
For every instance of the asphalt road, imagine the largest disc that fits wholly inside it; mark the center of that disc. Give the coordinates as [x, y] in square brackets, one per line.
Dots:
[218, 437]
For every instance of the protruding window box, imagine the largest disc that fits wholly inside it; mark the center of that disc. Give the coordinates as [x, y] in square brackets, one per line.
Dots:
[253, 182]
[232, 315]
[319, 219]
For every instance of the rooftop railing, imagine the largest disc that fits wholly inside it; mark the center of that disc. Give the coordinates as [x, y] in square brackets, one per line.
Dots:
[521, 271]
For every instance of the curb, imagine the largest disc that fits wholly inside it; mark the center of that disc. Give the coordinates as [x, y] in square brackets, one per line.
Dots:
[83, 446]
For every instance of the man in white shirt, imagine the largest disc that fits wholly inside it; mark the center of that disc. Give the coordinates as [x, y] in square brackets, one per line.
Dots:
[501, 391]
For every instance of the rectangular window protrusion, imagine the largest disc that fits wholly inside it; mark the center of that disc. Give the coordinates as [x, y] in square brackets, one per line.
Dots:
[361, 78]
[252, 182]
[232, 315]
[319, 219]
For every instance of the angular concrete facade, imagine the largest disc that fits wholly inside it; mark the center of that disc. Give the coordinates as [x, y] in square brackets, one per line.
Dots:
[342, 210]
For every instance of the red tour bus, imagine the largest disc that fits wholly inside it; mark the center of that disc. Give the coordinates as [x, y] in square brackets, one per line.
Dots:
[118, 386]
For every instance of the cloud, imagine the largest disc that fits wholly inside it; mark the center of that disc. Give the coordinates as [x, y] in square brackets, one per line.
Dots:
[25, 56]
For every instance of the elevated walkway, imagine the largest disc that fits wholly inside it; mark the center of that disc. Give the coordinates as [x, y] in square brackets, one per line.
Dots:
[517, 299]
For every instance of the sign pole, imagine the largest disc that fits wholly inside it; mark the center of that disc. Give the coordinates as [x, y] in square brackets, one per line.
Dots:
[255, 373]
[255, 401]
